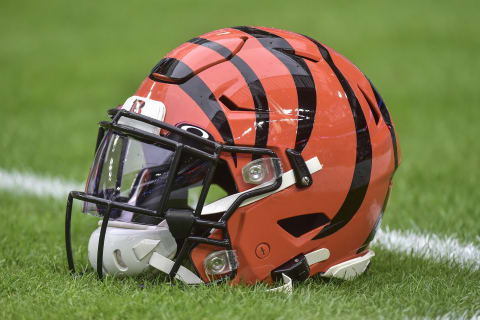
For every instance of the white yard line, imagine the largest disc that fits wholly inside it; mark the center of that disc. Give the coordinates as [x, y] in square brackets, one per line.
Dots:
[429, 246]
[452, 315]
[28, 183]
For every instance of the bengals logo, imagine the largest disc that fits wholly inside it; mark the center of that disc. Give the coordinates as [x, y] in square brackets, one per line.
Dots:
[137, 106]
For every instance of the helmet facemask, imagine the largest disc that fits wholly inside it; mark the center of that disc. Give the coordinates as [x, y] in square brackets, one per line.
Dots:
[150, 190]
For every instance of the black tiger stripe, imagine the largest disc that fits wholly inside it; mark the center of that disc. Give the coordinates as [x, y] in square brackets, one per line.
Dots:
[302, 76]
[222, 50]
[257, 91]
[205, 99]
[363, 161]
[388, 121]
[377, 224]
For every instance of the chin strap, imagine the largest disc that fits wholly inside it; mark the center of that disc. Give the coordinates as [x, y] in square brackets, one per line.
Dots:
[287, 286]
[162, 263]
[165, 265]
[350, 269]
[310, 259]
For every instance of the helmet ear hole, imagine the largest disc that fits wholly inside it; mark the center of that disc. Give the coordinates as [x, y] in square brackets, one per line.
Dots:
[117, 257]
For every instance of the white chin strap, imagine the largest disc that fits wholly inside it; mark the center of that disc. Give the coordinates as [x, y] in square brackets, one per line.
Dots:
[131, 249]
[287, 286]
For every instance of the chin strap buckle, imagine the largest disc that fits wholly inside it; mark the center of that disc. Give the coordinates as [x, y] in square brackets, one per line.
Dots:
[297, 269]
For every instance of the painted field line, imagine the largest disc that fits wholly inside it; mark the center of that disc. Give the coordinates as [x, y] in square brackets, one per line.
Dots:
[28, 183]
[429, 246]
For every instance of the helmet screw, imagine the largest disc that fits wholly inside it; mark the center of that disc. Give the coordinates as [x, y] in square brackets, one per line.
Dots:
[262, 250]
[305, 181]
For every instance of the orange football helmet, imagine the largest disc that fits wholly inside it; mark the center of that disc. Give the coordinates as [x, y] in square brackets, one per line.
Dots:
[252, 152]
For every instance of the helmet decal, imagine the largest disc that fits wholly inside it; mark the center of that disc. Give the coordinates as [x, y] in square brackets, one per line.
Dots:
[388, 121]
[196, 130]
[137, 106]
[302, 76]
[363, 160]
[254, 85]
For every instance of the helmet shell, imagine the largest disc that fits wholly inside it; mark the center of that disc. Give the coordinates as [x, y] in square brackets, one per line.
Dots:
[270, 88]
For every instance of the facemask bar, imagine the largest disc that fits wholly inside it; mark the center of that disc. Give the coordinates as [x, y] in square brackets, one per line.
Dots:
[191, 240]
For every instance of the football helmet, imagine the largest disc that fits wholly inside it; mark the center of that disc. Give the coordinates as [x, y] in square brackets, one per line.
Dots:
[250, 154]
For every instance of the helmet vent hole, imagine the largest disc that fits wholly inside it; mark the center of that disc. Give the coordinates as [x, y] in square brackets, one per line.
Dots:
[372, 105]
[299, 225]
[298, 53]
[117, 254]
[231, 105]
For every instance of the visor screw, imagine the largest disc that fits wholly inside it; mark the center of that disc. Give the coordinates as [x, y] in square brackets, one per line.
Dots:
[216, 265]
[305, 181]
[256, 173]
[263, 250]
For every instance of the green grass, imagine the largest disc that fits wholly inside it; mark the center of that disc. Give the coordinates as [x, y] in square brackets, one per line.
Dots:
[35, 283]
[63, 64]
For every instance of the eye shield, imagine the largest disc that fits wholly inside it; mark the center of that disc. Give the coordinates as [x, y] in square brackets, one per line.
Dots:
[136, 173]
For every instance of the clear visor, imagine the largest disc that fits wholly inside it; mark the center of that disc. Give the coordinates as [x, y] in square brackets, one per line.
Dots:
[133, 172]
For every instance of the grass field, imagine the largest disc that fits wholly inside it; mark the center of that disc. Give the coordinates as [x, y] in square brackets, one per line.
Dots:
[63, 64]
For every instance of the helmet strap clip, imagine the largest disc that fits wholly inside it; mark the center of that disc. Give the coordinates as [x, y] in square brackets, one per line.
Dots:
[303, 178]
[180, 222]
